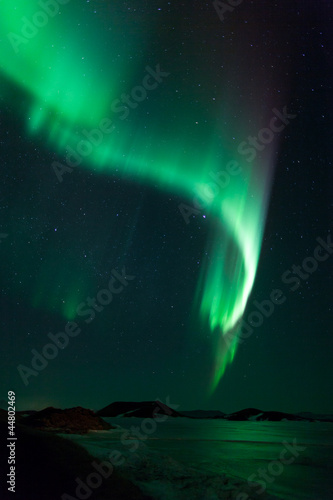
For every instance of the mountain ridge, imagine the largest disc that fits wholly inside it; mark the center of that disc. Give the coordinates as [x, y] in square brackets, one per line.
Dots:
[152, 409]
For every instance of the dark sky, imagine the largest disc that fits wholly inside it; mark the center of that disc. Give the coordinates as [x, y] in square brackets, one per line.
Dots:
[61, 241]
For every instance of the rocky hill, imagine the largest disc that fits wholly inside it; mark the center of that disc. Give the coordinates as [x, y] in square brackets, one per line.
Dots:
[70, 421]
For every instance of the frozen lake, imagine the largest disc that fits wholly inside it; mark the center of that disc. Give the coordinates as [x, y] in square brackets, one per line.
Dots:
[181, 456]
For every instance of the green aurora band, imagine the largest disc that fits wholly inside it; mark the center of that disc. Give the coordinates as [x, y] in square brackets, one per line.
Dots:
[72, 87]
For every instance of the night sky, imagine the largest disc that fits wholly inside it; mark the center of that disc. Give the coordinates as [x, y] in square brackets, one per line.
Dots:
[181, 281]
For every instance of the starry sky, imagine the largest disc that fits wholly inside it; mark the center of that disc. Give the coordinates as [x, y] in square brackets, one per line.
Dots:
[183, 277]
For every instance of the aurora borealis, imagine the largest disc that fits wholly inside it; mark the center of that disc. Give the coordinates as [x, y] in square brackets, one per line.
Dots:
[107, 95]
[239, 208]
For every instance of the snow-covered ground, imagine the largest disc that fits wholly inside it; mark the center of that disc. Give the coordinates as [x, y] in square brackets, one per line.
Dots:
[216, 459]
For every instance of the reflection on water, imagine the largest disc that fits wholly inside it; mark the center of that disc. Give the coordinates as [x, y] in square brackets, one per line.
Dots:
[238, 449]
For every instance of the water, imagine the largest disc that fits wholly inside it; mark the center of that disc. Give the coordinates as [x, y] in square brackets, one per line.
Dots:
[182, 456]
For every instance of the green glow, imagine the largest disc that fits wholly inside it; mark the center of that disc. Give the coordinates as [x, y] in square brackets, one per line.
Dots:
[66, 298]
[72, 85]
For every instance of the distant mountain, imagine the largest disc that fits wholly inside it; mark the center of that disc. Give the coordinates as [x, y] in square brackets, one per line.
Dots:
[316, 416]
[203, 414]
[142, 409]
[151, 409]
[256, 415]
